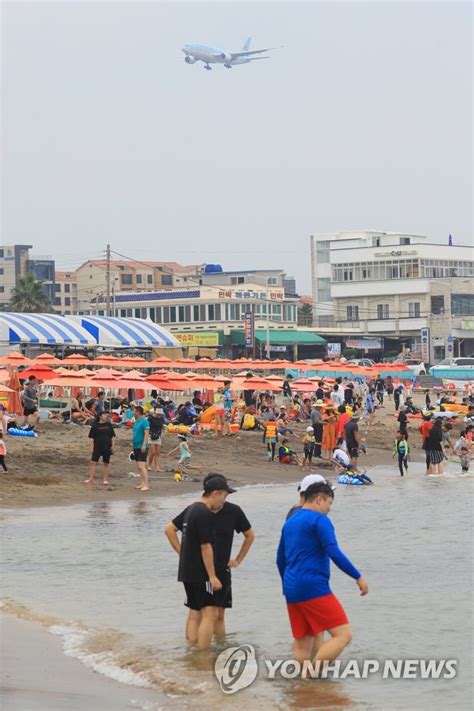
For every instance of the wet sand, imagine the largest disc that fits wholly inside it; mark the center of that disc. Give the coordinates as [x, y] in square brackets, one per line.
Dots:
[50, 469]
[36, 675]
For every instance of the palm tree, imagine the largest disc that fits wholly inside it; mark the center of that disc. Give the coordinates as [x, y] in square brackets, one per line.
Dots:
[29, 296]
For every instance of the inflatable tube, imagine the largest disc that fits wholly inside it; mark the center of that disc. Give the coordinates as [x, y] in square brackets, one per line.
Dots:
[360, 479]
[207, 416]
[17, 432]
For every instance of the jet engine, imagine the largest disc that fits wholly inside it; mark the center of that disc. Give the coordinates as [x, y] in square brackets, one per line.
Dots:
[225, 57]
[190, 60]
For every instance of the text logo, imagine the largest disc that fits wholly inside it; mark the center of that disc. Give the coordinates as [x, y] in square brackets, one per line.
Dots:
[236, 668]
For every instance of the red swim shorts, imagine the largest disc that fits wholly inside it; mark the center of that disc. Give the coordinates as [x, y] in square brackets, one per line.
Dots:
[285, 460]
[311, 617]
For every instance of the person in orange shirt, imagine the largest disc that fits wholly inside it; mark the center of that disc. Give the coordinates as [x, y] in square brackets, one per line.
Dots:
[425, 429]
[341, 421]
[329, 432]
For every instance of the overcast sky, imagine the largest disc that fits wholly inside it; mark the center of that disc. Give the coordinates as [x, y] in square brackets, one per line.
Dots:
[362, 120]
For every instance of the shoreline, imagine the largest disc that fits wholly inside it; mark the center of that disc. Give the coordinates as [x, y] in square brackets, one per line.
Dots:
[37, 675]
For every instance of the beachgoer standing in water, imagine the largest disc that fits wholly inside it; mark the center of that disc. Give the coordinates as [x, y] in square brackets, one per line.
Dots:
[307, 544]
[227, 520]
[102, 436]
[197, 569]
[141, 432]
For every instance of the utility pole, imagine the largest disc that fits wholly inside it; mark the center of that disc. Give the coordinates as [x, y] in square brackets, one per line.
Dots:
[107, 281]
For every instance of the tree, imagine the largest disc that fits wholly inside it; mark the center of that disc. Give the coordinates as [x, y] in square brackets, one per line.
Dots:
[305, 315]
[29, 296]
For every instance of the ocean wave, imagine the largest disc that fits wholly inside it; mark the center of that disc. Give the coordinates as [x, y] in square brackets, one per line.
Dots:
[114, 654]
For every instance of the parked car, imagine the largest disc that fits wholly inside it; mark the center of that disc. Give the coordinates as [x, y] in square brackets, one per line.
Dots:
[364, 362]
[416, 366]
[460, 368]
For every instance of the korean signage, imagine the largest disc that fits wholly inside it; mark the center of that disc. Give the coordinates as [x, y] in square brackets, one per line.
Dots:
[364, 343]
[425, 344]
[275, 349]
[249, 329]
[396, 253]
[262, 295]
[198, 339]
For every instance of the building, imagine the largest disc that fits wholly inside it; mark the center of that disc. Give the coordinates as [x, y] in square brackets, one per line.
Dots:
[386, 285]
[91, 278]
[13, 264]
[224, 310]
[65, 293]
[44, 270]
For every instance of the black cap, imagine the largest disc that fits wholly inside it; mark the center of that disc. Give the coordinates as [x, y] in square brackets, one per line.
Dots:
[217, 483]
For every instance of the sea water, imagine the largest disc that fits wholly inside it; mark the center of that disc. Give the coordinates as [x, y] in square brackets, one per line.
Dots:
[103, 577]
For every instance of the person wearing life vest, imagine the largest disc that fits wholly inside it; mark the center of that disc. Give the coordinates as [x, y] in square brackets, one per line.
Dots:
[270, 437]
[402, 449]
[287, 455]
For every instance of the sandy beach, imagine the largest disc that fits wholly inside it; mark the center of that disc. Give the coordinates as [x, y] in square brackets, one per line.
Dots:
[50, 469]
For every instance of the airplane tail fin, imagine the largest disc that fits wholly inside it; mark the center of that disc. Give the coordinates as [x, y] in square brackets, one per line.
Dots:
[246, 46]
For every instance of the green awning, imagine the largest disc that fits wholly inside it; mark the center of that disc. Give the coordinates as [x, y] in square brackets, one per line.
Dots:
[281, 338]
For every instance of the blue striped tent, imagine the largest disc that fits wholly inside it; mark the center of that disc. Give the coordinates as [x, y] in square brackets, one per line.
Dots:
[44, 329]
[116, 332]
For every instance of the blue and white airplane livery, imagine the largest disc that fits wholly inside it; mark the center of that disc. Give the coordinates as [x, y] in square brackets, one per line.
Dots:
[214, 55]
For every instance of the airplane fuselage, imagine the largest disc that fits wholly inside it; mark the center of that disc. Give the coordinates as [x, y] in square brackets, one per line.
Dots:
[212, 55]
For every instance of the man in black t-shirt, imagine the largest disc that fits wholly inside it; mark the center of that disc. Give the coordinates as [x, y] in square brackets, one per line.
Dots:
[287, 392]
[226, 519]
[102, 436]
[351, 431]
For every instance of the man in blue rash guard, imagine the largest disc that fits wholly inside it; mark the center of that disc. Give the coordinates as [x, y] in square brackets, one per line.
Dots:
[307, 544]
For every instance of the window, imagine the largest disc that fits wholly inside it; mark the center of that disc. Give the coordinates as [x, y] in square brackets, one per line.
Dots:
[67, 288]
[187, 314]
[67, 301]
[237, 280]
[322, 251]
[217, 312]
[414, 310]
[365, 273]
[348, 275]
[1, 253]
[57, 287]
[126, 278]
[376, 241]
[405, 240]
[167, 279]
[202, 313]
[210, 311]
[272, 281]
[152, 314]
[352, 313]
[139, 278]
[181, 314]
[137, 313]
[149, 278]
[166, 314]
[172, 314]
[57, 299]
[462, 304]
[324, 290]
[383, 311]
[158, 314]
[123, 313]
[437, 305]
[326, 320]
[195, 313]
[394, 272]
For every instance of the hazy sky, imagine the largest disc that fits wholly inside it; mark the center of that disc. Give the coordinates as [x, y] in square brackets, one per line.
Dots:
[362, 120]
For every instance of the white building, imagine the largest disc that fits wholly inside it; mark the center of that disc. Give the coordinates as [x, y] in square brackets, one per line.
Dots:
[389, 284]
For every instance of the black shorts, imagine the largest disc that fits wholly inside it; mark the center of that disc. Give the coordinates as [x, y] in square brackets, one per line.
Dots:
[353, 452]
[308, 452]
[99, 452]
[139, 455]
[29, 411]
[199, 595]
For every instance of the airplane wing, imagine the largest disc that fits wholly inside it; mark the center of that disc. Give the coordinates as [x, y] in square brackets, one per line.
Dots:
[254, 51]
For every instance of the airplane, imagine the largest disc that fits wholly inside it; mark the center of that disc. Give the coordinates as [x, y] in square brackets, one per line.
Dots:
[214, 55]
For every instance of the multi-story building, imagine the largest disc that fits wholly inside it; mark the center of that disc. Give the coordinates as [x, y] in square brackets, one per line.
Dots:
[13, 264]
[65, 293]
[91, 278]
[216, 309]
[44, 270]
[386, 284]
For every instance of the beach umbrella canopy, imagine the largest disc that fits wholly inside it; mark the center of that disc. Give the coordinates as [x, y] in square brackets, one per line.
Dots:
[132, 362]
[42, 372]
[106, 360]
[133, 381]
[15, 359]
[205, 381]
[304, 386]
[46, 359]
[76, 359]
[71, 380]
[256, 383]
[161, 362]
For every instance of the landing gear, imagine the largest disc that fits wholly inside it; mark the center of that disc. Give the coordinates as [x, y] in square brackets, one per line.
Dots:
[208, 67]
[228, 66]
